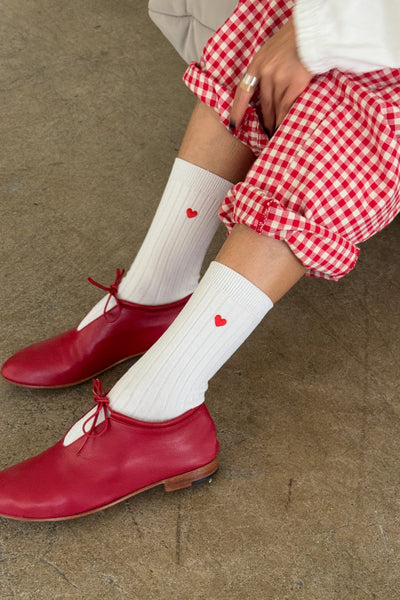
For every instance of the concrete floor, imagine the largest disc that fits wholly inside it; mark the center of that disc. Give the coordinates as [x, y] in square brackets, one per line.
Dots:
[306, 502]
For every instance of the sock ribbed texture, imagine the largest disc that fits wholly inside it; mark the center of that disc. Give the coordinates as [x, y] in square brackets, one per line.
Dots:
[167, 266]
[172, 377]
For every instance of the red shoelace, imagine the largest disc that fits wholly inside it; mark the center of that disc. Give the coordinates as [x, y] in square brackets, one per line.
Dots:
[113, 293]
[102, 402]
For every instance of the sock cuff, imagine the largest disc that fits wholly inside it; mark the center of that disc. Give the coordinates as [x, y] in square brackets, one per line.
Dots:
[195, 176]
[245, 293]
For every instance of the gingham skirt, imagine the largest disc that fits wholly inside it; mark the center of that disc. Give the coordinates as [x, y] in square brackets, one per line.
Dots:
[329, 177]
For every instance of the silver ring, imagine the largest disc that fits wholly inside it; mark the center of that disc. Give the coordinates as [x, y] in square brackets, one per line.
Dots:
[248, 83]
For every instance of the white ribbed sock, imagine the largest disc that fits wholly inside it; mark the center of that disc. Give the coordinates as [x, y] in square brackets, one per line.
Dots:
[167, 266]
[173, 375]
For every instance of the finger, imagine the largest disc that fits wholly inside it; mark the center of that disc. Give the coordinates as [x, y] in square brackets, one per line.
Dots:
[268, 108]
[283, 111]
[282, 105]
[286, 103]
[299, 82]
[243, 95]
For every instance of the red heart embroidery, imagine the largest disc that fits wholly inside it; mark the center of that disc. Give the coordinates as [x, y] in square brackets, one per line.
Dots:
[191, 213]
[219, 321]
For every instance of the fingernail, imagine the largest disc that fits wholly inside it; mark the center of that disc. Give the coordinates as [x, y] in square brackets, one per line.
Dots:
[232, 125]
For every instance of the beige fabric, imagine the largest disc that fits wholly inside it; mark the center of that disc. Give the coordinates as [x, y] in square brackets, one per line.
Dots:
[188, 24]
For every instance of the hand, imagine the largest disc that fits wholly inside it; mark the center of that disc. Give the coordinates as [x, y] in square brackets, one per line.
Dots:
[281, 77]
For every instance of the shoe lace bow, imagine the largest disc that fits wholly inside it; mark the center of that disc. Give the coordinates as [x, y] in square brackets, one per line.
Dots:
[90, 425]
[113, 293]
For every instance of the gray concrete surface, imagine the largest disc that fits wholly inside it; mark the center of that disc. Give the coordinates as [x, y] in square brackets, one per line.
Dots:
[306, 503]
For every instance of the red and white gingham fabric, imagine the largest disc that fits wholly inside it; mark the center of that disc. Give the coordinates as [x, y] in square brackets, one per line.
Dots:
[330, 176]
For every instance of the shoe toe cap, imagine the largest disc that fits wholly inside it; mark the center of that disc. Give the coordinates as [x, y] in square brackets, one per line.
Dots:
[44, 364]
[23, 370]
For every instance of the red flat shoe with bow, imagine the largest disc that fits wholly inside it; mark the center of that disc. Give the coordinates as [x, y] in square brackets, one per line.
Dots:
[125, 331]
[115, 459]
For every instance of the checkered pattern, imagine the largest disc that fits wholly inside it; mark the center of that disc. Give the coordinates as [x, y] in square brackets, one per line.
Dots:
[329, 177]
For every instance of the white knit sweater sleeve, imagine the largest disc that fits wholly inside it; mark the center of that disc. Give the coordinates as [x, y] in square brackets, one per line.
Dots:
[351, 35]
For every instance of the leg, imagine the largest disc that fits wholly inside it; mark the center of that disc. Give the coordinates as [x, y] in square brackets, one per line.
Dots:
[165, 272]
[209, 145]
[250, 273]
[267, 263]
[167, 266]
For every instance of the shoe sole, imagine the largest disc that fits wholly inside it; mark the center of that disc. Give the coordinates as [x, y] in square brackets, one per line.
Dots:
[178, 482]
[67, 385]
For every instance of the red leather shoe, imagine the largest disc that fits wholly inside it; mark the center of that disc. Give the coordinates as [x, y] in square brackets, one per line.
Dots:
[125, 331]
[116, 459]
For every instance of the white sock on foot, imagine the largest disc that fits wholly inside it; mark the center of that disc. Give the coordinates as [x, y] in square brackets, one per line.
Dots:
[173, 375]
[167, 266]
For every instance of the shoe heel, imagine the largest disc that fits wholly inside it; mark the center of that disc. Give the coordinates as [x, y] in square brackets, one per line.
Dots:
[200, 475]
